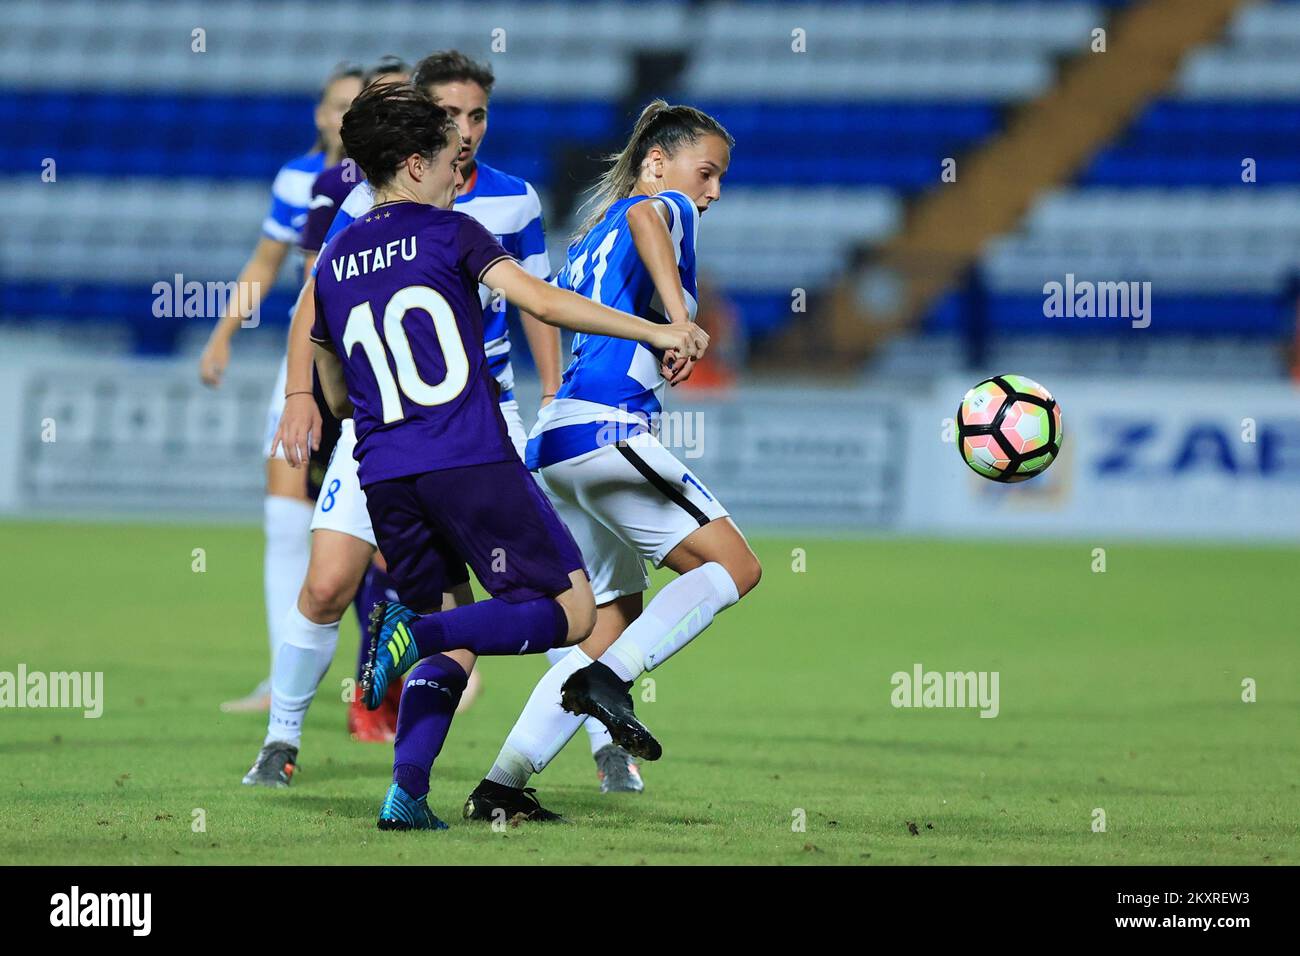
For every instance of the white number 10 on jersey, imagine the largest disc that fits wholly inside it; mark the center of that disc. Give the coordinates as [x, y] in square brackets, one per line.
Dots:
[360, 330]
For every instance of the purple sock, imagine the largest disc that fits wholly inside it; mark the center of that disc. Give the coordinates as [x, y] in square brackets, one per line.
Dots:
[429, 701]
[493, 628]
[374, 588]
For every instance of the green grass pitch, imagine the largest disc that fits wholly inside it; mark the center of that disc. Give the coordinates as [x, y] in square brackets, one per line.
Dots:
[1119, 690]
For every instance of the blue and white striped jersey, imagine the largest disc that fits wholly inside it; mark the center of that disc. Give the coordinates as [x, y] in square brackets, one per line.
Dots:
[291, 196]
[507, 207]
[613, 380]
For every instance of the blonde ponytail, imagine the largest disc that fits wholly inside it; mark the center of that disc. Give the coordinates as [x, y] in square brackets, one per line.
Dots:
[662, 125]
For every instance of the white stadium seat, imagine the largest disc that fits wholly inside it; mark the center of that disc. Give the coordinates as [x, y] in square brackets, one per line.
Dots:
[1256, 60]
[1183, 240]
[990, 50]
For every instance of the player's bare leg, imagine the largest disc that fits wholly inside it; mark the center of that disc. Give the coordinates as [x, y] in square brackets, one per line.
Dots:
[722, 543]
[612, 618]
[579, 606]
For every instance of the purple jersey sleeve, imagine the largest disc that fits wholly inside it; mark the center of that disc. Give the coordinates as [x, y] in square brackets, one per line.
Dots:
[319, 216]
[327, 194]
[478, 249]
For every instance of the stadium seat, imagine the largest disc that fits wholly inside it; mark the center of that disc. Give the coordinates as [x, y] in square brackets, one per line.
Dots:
[166, 169]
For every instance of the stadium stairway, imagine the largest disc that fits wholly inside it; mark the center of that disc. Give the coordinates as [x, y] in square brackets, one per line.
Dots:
[1046, 143]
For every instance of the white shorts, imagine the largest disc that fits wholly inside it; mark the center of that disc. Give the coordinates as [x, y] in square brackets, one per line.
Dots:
[341, 504]
[627, 504]
[275, 408]
[515, 426]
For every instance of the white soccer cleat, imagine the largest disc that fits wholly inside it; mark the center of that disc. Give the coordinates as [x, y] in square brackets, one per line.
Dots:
[617, 770]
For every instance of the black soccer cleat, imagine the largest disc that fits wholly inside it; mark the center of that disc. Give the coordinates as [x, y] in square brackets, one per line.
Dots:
[596, 691]
[496, 802]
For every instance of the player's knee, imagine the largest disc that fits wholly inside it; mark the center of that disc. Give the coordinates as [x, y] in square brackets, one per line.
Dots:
[580, 610]
[326, 595]
[746, 573]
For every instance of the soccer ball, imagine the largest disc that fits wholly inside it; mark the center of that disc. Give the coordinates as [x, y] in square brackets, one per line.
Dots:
[1008, 428]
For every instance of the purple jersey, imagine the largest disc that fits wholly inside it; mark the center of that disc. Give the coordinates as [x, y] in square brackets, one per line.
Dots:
[397, 300]
[327, 194]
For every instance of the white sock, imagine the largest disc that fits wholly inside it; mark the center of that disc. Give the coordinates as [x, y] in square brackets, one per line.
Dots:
[543, 727]
[287, 524]
[300, 666]
[679, 612]
[597, 735]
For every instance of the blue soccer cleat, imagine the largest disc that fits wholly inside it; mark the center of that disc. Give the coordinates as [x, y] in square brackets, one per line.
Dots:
[392, 651]
[401, 811]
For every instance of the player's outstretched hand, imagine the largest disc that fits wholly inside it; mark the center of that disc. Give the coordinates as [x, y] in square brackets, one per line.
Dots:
[213, 361]
[686, 339]
[299, 431]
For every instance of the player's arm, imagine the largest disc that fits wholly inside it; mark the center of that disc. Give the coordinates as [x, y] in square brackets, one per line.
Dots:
[648, 224]
[543, 339]
[332, 383]
[655, 247]
[257, 276]
[300, 425]
[559, 307]
[544, 343]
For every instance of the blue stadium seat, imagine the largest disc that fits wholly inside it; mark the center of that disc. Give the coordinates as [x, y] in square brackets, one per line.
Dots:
[890, 144]
[238, 137]
[126, 137]
[1199, 143]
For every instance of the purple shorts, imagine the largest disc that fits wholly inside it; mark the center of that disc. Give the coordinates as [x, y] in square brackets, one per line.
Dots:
[493, 517]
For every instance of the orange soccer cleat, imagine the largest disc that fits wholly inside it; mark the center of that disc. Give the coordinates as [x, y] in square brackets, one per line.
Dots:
[372, 726]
